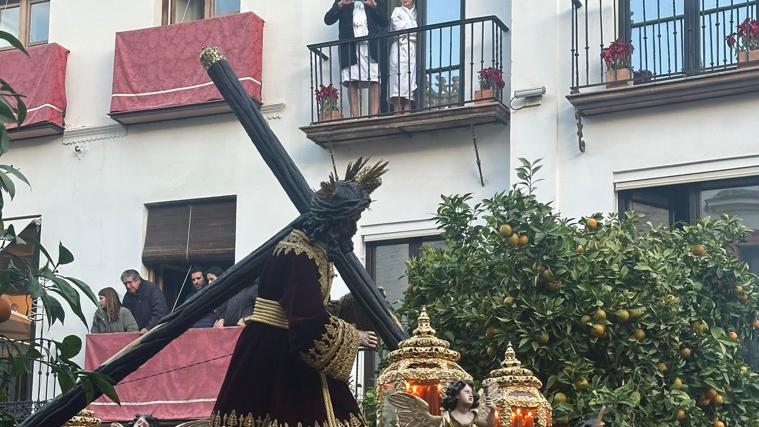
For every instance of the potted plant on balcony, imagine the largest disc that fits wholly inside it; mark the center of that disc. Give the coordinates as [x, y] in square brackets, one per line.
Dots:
[746, 40]
[491, 82]
[617, 57]
[326, 99]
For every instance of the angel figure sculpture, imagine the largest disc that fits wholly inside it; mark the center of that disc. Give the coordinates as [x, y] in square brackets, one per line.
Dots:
[459, 405]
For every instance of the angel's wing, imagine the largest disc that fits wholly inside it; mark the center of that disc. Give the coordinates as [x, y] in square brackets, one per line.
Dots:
[413, 411]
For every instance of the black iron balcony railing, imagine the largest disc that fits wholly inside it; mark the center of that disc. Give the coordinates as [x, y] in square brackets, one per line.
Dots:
[418, 69]
[671, 38]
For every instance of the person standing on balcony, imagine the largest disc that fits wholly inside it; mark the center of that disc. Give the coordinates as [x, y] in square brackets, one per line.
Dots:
[111, 316]
[144, 299]
[198, 278]
[358, 61]
[402, 83]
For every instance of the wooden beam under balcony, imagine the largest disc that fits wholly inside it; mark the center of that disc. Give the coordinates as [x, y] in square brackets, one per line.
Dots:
[364, 129]
[658, 93]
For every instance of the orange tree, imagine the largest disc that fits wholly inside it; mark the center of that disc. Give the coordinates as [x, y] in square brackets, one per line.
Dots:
[652, 322]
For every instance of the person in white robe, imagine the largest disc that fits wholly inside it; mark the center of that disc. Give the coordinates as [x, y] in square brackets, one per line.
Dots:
[402, 66]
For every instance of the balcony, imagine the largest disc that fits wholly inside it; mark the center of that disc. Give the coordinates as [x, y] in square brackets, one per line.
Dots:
[157, 75]
[680, 54]
[41, 78]
[441, 79]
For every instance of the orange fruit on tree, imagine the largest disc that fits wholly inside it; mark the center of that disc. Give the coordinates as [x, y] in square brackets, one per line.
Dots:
[591, 223]
[548, 275]
[585, 319]
[489, 332]
[686, 353]
[711, 393]
[662, 367]
[718, 423]
[512, 240]
[677, 384]
[554, 286]
[718, 400]
[560, 397]
[704, 402]
[639, 334]
[598, 330]
[5, 310]
[581, 384]
[508, 300]
[733, 335]
[523, 240]
[580, 249]
[681, 415]
[599, 315]
[505, 230]
[698, 249]
[542, 339]
[755, 323]
[623, 314]
[742, 297]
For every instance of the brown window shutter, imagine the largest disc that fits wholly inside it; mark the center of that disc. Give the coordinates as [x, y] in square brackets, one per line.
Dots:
[192, 231]
[212, 232]
[166, 235]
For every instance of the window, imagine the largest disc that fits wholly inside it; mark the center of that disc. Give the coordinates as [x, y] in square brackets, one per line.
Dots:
[183, 234]
[27, 20]
[682, 37]
[386, 263]
[179, 11]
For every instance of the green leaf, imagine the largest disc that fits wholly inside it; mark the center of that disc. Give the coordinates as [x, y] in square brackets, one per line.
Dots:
[105, 385]
[7, 184]
[64, 255]
[84, 288]
[70, 346]
[66, 380]
[13, 41]
[63, 288]
[15, 172]
[5, 142]
[53, 308]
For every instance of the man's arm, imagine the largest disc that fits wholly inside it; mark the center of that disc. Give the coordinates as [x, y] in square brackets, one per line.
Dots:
[158, 307]
[333, 14]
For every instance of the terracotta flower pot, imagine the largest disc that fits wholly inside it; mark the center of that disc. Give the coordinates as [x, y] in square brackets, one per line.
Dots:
[619, 78]
[748, 59]
[329, 115]
[484, 95]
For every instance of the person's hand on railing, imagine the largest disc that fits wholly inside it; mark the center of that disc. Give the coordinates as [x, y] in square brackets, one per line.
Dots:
[219, 323]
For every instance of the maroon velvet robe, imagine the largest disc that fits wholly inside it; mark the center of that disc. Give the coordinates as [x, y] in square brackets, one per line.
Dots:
[296, 376]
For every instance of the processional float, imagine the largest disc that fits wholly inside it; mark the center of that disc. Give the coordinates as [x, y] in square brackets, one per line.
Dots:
[64, 407]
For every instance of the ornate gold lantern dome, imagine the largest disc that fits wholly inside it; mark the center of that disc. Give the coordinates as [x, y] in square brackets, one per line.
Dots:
[518, 397]
[84, 418]
[423, 365]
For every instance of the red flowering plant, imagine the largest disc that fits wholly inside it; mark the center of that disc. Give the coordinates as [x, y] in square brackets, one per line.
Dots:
[747, 36]
[617, 54]
[327, 97]
[491, 78]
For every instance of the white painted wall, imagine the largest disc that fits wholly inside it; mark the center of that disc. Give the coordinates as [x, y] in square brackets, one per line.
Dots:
[94, 202]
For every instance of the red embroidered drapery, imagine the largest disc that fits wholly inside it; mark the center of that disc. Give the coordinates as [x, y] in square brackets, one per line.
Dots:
[41, 78]
[157, 68]
[179, 383]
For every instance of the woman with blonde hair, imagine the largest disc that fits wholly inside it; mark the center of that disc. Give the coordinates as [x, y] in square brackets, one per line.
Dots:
[111, 316]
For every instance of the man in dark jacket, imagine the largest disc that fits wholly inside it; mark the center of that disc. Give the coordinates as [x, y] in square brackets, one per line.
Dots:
[144, 299]
[358, 61]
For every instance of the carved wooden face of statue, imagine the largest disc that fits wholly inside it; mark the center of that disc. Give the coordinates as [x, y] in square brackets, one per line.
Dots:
[465, 398]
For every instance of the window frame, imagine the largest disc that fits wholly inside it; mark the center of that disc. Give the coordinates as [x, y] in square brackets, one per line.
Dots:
[25, 24]
[169, 9]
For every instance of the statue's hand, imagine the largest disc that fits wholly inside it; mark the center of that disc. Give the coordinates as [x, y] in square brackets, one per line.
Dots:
[368, 339]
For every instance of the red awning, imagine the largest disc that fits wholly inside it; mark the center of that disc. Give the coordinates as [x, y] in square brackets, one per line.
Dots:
[41, 78]
[158, 68]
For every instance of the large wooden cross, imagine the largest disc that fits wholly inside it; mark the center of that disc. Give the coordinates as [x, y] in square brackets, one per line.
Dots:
[65, 406]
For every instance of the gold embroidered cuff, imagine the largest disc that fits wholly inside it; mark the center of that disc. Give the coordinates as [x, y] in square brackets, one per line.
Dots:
[334, 352]
[270, 313]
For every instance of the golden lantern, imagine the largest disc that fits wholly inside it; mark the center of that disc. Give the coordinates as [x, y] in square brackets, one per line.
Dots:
[84, 418]
[517, 394]
[423, 366]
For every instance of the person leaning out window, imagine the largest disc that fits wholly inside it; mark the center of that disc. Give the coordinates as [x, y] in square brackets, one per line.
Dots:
[111, 316]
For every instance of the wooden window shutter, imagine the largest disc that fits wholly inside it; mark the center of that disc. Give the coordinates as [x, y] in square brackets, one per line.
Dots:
[194, 231]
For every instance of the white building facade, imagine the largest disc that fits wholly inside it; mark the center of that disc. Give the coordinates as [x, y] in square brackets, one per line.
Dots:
[669, 144]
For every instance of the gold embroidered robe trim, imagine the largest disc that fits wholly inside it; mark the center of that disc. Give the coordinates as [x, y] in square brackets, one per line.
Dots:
[234, 420]
[298, 242]
[334, 352]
